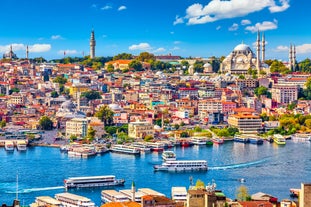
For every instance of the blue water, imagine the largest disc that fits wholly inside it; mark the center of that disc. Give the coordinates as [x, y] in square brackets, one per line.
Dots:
[266, 168]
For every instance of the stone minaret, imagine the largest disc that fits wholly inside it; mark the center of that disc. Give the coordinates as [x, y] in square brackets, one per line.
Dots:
[11, 52]
[263, 48]
[92, 45]
[27, 52]
[294, 57]
[290, 57]
[133, 190]
[258, 53]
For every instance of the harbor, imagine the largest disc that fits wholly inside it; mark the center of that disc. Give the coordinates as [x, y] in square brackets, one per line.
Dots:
[262, 167]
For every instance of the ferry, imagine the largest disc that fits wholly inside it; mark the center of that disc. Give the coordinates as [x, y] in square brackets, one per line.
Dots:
[241, 138]
[179, 194]
[82, 151]
[72, 200]
[156, 146]
[182, 165]
[198, 140]
[21, 145]
[125, 149]
[9, 146]
[108, 196]
[254, 139]
[279, 139]
[93, 181]
[168, 155]
[142, 147]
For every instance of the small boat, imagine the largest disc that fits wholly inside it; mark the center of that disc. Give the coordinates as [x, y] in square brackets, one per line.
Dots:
[279, 139]
[209, 142]
[185, 143]
[9, 146]
[217, 140]
[142, 147]
[125, 149]
[21, 145]
[168, 155]
[198, 140]
[242, 180]
[241, 138]
[156, 146]
[255, 140]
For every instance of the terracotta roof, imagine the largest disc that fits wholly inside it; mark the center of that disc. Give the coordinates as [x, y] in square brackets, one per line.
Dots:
[256, 203]
[123, 204]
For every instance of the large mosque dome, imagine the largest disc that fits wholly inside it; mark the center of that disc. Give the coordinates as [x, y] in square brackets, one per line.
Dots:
[242, 47]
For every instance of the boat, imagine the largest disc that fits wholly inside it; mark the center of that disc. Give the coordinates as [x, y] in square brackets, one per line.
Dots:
[279, 139]
[198, 140]
[9, 146]
[156, 146]
[108, 196]
[46, 201]
[72, 200]
[241, 138]
[142, 147]
[182, 165]
[21, 145]
[100, 149]
[301, 137]
[168, 155]
[185, 143]
[255, 139]
[93, 181]
[64, 148]
[217, 140]
[179, 194]
[125, 149]
[209, 142]
[82, 151]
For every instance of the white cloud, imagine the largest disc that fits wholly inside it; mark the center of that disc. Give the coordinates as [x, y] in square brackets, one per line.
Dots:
[121, 8]
[140, 46]
[234, 27]
[39, 48]
[281, 48]
[178, 20]
[106, 7]
[275, 8]
[56, 37]
[245, 22]
[264, 26]
[67, 52]
[32, 48]
[220, 9]
[161, 49]
[302, 49]
[218, 28]
[175, 48]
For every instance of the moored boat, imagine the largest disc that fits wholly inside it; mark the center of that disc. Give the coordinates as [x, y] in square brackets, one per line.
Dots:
[255, 139]
[156, 146]
[125, 149]
[21, 145]
[209, 142]
[108, 196]
[241, 138]
[198, 140]
[279, 139]
[93, 181]
[168, 155]
[182, 165]
[217, 140]
[9, 146]
[141, 146]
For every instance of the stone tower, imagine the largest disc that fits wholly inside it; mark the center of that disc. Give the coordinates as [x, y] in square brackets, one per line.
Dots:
[133, 190]
[258, 53]
[263, 48]
[27, 52]
[92, 45]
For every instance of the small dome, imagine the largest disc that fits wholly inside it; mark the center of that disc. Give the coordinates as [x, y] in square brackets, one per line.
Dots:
[114, 107]
[207, 65]
[242, 47]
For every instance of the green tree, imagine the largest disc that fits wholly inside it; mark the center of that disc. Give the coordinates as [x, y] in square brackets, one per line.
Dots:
[199, 184]
[91, 133]
[91, 95]
[54, 94]
[198, 66]
[14, 90]
[146, 57]
[148, 138]
[278, 66]
[242, 193]
[136, 65]
[110, 68]
[73, 137]
[105, 114]
[46, 123]
[184, 134]
[2, 123]
[60, 80]
[123, 56]
[111, 129]
[176, 126]
[197, 129]
[305, 65]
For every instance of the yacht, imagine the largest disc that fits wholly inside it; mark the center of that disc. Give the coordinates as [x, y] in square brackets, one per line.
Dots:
[72, 200]
[241, 138]
[142, 147]
[279, 139]
[168, 155]
[93, 181]
[198, 140]
[21, 145]
[125, 149]
[182, 165]
[9, 146]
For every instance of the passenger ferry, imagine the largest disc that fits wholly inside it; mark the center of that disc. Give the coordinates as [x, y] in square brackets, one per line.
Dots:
[241, 138]
[21, 145]
[93, 181]
[108, 196]
[198, 140]
[254, 139]
[9, 146]
[142, 147]
[72, 200]
[182, 165]
[179, 194]
[125, 149]
[168, 155]
[279, 139]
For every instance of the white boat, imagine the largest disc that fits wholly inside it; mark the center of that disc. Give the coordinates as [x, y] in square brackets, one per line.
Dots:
[182, 165]
[279, 139]
[108, 196]
[156, 146]
[168, 155]
[46, 201]
[301, 137]
[82, 151]
[72, 200]
[21, 145]
[141, 146]
[198, 140]
[179, 194]
[93, 181]
[9, 146]
[125, 149]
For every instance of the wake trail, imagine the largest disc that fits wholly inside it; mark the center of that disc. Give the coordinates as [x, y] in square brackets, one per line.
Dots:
[239, 165]
[29, 190]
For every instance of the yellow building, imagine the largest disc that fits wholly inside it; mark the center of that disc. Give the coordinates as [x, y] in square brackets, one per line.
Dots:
[16, 98]
[76, 127]
[245, 122]
[76, 89]
[140, 129]
[118, 64]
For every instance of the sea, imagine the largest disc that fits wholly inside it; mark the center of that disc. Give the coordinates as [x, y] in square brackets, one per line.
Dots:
[267, 168]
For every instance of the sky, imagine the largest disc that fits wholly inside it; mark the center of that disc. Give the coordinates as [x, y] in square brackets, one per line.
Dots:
[189, 28]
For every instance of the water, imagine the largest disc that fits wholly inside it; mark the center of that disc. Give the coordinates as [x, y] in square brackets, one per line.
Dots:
[267, 168]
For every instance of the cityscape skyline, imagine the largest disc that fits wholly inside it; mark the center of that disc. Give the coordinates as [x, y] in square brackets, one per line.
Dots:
[55, 29]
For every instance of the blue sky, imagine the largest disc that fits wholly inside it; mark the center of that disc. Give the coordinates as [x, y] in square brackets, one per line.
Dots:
[180, 27]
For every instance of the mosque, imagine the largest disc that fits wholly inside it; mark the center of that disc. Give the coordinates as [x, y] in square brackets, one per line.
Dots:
[242, 58]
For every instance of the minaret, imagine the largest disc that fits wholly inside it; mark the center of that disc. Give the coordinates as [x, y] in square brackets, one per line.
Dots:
[133, 190]
[294, 57]
[92, 45]
[27, 52]
[258, 53]
[290, 57]
[11, 52]
[263, 48]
